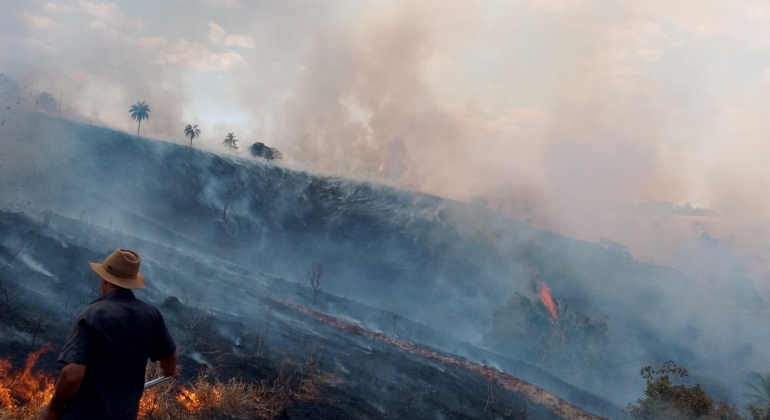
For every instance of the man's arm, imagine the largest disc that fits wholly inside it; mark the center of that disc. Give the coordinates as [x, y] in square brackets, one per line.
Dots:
[168, 365]
[70, 378]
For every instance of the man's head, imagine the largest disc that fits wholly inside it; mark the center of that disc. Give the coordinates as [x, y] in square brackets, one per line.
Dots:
[120, 270]
[107, 287]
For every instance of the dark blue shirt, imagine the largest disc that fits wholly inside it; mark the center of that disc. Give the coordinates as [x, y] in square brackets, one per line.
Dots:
[113, 337]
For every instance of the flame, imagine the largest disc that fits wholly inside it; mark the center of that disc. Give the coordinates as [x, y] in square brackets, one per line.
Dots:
[21, 388]
[545, 297]
[194, 403]
[148, 405]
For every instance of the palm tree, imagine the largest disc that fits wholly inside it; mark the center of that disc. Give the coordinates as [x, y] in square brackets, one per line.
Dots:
[140, 111]
[192, 131]
[231, 141]
[761, 394]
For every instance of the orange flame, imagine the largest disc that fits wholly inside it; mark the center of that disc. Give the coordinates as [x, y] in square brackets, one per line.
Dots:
[148, 404]
[25, 387]
[545, 297]
[193, 403]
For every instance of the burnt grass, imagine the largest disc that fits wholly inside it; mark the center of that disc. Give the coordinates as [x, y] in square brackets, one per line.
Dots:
[367, 379]
[228, 319]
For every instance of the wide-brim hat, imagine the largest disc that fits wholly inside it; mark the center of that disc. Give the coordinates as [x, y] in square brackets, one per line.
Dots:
[121, 268]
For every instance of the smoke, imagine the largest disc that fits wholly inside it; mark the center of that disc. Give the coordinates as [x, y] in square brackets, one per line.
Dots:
[565, 114]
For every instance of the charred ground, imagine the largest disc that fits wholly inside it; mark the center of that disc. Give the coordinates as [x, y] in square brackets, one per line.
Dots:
[72, 192]
[364, 378]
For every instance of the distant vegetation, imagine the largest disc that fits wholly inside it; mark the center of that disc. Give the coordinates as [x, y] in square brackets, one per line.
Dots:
[139, 111]
[665, 400]
[192, 131]
[259, 149]
[230, 141]
[761, 395]
[666, 207]
[556, 337]
[616, 247]
[47, 103]
[314, 274]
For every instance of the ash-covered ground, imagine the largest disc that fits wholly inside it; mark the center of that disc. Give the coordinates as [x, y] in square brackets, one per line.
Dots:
[229, 236]
[49, 281]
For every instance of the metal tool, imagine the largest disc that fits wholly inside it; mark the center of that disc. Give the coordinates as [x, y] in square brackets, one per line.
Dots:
[157, 381]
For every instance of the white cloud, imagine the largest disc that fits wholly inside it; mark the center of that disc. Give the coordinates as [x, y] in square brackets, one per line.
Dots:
[218, 36]
[108, 15]
[154, 42]
[241, 41]
[98, 24]
[38, 46]
[216, 33]
[57, 8]
[197, 57]
[106, 11]
[36, 21]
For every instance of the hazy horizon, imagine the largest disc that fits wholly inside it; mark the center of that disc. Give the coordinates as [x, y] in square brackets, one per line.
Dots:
[563, 113]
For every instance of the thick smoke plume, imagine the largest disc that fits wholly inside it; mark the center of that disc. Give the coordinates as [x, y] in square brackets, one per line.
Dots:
[564, 114]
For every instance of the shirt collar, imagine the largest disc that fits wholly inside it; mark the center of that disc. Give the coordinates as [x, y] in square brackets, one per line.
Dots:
[120, 293]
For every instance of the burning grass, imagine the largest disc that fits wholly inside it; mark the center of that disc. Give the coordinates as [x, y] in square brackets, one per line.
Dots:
[23, 393]
[535, 394]
[208, 397]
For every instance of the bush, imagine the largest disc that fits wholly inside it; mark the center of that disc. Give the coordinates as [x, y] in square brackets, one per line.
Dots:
[259, 149]
[664, 400]
[573, 341]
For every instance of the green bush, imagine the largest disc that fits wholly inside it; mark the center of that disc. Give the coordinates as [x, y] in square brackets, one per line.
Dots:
[665, 400]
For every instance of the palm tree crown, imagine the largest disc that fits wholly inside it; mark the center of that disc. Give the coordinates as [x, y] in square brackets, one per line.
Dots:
[231, 141]
[192, 131]
[761, 394]
[139, 111]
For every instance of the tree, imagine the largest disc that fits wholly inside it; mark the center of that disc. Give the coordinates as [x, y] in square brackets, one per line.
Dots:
[192, 131]
[664, 400]
[274, 154]
[231, 141]
[229, 192]
[139, 111]
[761, 395]
[314, 273]
[46, 103]
[259, 149]
[572, 343]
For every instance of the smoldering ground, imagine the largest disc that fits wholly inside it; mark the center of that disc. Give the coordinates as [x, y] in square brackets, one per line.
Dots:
[442, 263]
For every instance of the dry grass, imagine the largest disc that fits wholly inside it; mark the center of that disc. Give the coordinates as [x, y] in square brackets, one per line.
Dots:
[207, 397]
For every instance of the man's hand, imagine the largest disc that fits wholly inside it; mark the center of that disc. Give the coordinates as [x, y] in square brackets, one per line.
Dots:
[169, 367]
[49, 413]
[70, 378]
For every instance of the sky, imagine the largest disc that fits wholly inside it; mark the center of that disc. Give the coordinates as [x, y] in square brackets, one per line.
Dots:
[564, 113]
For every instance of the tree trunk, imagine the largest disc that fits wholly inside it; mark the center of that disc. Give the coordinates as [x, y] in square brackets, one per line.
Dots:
[191, 137]
[140, 126]
[315, 292]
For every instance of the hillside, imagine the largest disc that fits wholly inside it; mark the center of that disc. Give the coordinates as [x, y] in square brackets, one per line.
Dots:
[438, 263]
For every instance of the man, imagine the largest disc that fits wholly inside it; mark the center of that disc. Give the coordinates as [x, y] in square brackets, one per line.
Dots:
[108, 346]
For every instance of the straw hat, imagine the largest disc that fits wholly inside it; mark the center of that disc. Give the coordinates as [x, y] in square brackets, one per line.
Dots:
[121, 268]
